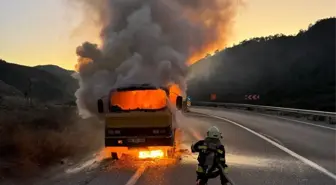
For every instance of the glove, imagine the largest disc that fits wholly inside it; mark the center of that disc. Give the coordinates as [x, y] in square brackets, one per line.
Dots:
[226, 169]
[222, 163]
[192, 148]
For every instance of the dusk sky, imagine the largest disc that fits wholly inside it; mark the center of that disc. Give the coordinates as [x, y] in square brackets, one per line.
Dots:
[36, 32]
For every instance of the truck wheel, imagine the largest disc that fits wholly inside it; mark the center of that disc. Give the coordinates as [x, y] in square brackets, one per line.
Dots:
[114, 156]
[171, 153]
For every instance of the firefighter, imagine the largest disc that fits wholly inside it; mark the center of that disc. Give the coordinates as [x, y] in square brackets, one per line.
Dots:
[211, 158]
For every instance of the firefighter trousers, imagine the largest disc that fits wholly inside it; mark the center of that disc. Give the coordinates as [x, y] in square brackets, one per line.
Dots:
[205, 177]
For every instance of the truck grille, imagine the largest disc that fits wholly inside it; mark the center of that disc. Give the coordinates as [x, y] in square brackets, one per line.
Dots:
[161, 131]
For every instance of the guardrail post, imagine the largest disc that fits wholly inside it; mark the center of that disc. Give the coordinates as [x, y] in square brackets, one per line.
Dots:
[314, 115]
[330, 120]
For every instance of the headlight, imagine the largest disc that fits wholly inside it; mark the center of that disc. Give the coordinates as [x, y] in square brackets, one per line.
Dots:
[159, 131]
[162, 131]
[113, 132]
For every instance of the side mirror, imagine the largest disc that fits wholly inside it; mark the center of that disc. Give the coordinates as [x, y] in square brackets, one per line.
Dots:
[100, 106]
[179, 102]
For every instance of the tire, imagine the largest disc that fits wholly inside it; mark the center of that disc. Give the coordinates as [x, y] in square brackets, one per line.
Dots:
[114, 156]
[171, 151]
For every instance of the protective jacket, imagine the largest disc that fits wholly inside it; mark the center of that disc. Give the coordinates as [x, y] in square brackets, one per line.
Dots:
[211, 153]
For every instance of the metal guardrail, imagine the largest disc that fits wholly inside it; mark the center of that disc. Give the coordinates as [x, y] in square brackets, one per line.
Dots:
[330, 115]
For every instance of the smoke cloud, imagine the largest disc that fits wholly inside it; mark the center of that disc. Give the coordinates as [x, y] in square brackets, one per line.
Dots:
[147, 41]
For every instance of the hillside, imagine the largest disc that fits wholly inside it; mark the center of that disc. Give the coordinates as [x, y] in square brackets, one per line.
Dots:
[8, 90]
[40, 82]
[64, 75]
[292, 71]
[56, 70]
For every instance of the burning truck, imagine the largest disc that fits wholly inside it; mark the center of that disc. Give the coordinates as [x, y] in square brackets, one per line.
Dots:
[138, 120]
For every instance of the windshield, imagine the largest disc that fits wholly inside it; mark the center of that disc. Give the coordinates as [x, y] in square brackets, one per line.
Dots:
[151, 99]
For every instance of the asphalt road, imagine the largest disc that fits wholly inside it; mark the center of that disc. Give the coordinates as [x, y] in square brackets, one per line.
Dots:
[253, 160]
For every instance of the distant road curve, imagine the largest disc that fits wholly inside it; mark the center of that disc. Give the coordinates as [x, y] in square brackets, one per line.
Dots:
[313, 142]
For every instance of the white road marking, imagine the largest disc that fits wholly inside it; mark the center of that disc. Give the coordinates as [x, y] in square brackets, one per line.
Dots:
[290, 152]
[90, 163]
[273, 138]
[82, 166]
[137, 175]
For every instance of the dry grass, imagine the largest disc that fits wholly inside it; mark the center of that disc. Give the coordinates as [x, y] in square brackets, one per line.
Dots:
[33, 140]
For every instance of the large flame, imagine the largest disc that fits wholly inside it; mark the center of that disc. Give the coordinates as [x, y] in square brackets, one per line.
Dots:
[174, 91]
[207, 51]
[144, 99]
[139, 99]
[151, 154]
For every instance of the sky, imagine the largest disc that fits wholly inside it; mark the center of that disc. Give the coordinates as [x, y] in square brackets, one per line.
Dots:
[39, 32]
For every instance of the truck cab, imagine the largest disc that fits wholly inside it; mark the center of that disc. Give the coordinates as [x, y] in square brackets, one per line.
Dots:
[138, 118]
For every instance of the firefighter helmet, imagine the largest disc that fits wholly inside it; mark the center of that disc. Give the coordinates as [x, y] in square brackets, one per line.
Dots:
[213, 132]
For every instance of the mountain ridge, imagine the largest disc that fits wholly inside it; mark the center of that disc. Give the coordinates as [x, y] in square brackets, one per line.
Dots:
[48, 83]
[291, 71]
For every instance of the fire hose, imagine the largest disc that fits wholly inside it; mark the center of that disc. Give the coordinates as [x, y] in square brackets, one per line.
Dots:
[222, 169]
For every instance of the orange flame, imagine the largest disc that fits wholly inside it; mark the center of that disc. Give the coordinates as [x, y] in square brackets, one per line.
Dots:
[174, 91]
[139, 99]
[202, 54]
[144, 99]
[151, 154]
[217, 23]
